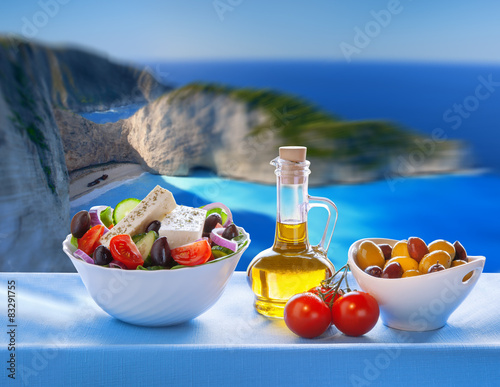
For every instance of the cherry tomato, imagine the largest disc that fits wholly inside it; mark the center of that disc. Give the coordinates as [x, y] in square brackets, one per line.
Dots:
[355, 313]
[193, 254]
[327, 294]
[123, 249]
[90, 240]
[307, 315]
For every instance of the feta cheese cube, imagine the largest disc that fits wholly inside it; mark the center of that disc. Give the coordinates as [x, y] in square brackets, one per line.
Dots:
[183, 225]
[155, 206]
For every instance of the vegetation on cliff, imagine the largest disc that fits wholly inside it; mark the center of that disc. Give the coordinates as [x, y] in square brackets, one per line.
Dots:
[368, 144]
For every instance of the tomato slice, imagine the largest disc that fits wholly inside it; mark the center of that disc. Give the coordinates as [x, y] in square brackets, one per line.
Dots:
[123, 249]
[195, 253]
[90, 240]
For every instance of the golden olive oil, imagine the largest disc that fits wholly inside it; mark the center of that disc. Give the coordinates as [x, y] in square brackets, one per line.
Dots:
[291, 266]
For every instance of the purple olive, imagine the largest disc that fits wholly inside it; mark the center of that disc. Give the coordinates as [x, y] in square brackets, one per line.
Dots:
[374, 271]
[461, 254]
[436, 267]
[387, 250]
[393, 270]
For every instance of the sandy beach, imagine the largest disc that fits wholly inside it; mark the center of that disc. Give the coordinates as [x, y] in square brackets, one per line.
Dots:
[116, 172]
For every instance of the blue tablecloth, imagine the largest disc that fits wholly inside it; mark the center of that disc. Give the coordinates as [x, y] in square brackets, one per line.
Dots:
[63, 338]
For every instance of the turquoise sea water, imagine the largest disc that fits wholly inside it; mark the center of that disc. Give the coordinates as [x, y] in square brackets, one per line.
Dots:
[114, 114]
[451, 207]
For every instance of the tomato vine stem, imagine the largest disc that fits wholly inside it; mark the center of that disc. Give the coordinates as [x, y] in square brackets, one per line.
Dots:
[333, 284]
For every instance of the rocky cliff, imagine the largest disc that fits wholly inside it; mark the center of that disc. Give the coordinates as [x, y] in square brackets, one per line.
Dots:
[171, 137]
[78, 80]
[236, 132]
[34, 204]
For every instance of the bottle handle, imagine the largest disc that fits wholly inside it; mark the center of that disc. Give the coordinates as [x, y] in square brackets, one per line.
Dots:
[326, 204]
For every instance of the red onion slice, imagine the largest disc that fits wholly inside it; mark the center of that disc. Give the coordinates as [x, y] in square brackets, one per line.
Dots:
[229, 219]
[83, 256]
[219, 240]
[95, 217]
[117, 265]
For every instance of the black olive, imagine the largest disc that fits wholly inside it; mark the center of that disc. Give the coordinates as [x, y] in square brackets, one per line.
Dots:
[102, 255]
[230, 232]
[210, 223]
[80, 224]
[160, 253]
[154, 226]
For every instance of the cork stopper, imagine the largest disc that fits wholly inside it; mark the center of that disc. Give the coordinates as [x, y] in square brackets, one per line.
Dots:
[293, 153]
[293, 173]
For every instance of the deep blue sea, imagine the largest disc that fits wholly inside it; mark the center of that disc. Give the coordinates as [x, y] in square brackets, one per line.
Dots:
[417, 96]
[462, 100]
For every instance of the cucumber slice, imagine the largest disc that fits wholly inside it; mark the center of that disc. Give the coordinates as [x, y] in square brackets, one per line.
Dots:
[219, 251]
[107, 216]
[138, 237]
[123, 208]
[145, 243]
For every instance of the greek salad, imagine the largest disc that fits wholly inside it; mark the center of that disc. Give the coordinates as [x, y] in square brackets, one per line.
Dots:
[155, 234]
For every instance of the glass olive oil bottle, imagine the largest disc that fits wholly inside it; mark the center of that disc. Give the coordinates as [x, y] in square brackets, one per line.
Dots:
[291, 265]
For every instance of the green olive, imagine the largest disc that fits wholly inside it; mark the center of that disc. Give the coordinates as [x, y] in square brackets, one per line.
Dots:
[369, 254]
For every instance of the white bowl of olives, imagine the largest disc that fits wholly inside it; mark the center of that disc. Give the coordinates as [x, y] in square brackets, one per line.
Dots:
[417, 286]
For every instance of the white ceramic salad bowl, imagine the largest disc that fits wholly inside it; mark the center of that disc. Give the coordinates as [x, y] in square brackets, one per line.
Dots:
[156, 298]
[420, 303]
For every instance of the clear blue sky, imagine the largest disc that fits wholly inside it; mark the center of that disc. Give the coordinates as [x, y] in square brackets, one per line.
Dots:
[428, 30]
